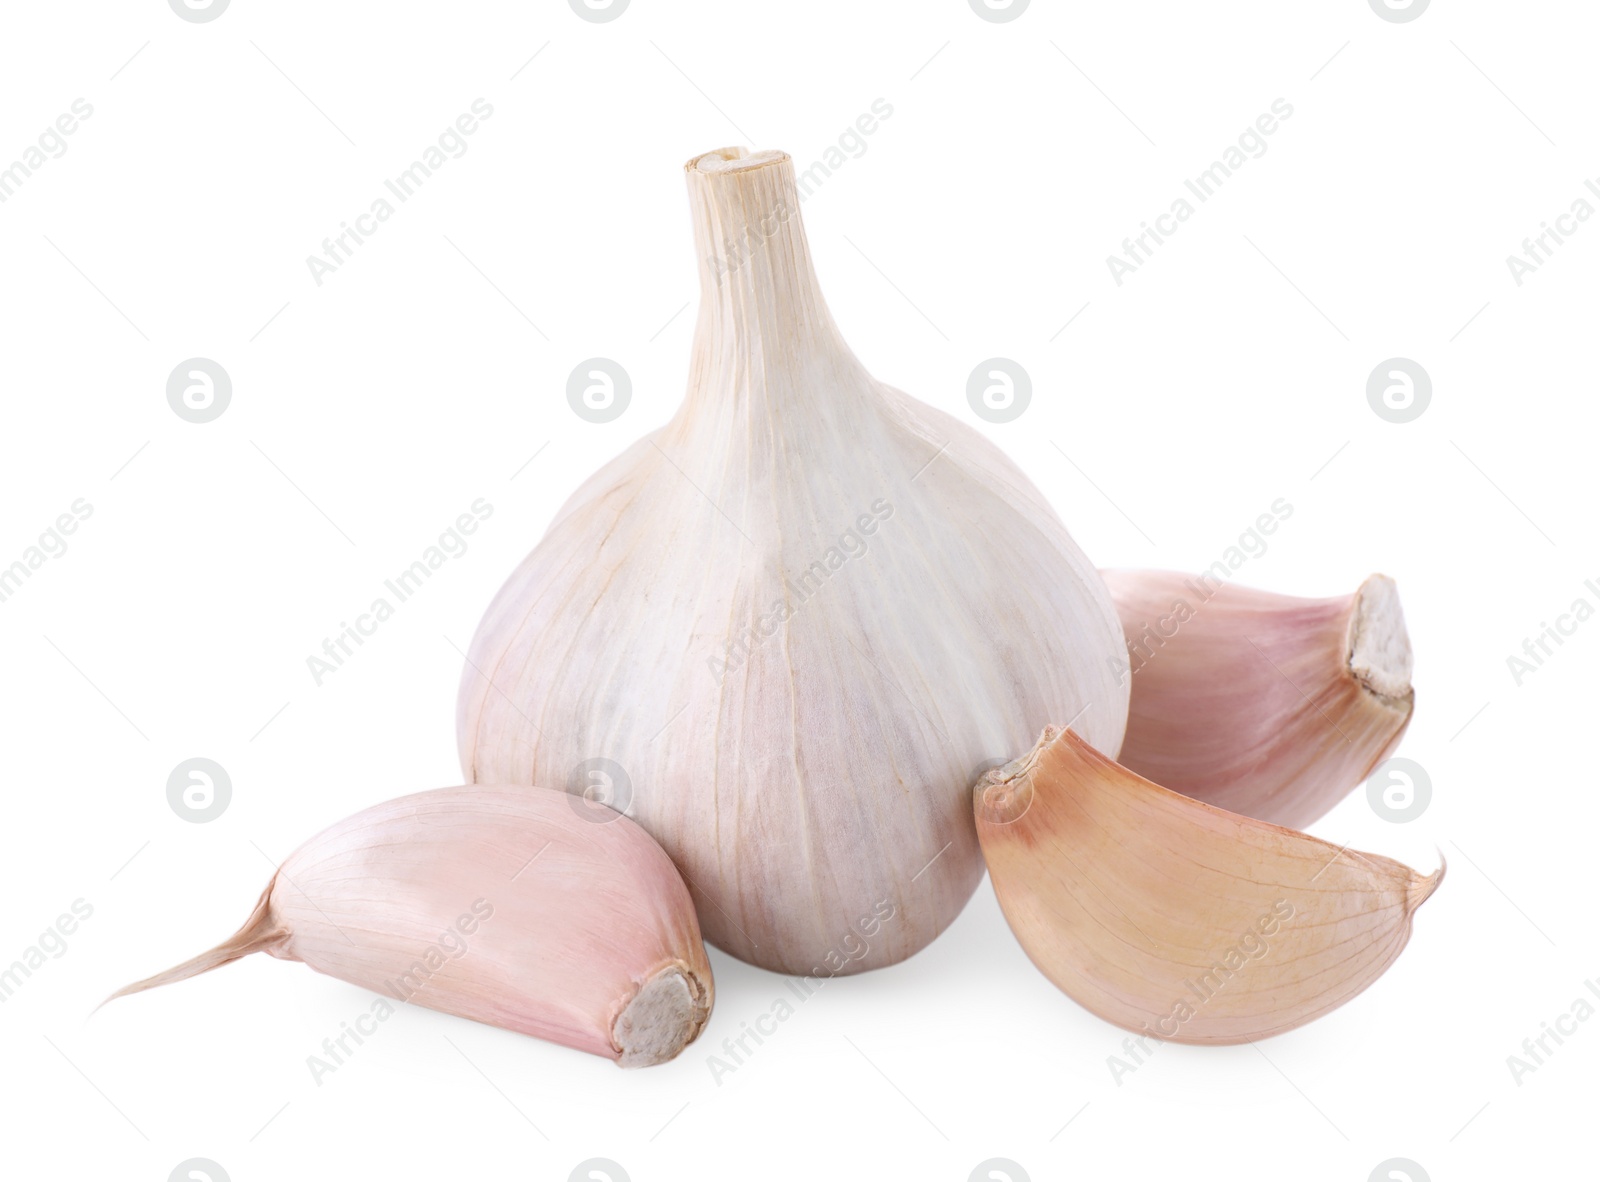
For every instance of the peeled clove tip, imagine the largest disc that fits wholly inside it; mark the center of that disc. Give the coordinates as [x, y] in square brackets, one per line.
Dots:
[1380, 649]
[663, 1018]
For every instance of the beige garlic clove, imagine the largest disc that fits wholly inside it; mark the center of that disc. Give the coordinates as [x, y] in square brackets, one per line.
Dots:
[1175, 919]
[521, 907]
[797, 616]
[1267, 705]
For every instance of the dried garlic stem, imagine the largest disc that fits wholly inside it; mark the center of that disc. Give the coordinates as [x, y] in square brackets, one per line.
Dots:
[1266, 705]
[1170, 917]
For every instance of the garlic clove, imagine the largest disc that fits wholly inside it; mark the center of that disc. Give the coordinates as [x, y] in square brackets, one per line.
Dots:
[1266, 705]
[521, 907]
[1175, 919]
[797, 617]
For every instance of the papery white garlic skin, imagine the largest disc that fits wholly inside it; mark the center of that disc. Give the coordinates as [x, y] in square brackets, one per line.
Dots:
[913, 609]
[520, 907]
[1272, 706]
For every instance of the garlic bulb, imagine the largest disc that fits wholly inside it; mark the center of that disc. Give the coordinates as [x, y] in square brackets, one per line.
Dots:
[506, 905]
[1267, 705]
[798, 617]
[1176, 919]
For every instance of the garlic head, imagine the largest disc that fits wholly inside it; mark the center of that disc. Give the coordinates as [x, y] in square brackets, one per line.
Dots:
[799, 618]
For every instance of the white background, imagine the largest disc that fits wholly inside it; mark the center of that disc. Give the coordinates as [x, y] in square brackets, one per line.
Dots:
[370, 411]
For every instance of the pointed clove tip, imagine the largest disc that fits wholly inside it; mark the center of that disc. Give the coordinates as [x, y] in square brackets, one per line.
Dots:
[1423, 886]
[1379, 646]
[130, 989]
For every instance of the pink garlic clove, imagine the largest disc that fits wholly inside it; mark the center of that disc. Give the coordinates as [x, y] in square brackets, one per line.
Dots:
[525, 908]
[1175, 919]
[1266, 705]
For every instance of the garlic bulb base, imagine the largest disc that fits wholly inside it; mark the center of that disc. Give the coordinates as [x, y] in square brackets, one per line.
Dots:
[665, 1016]
[1380, 649]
